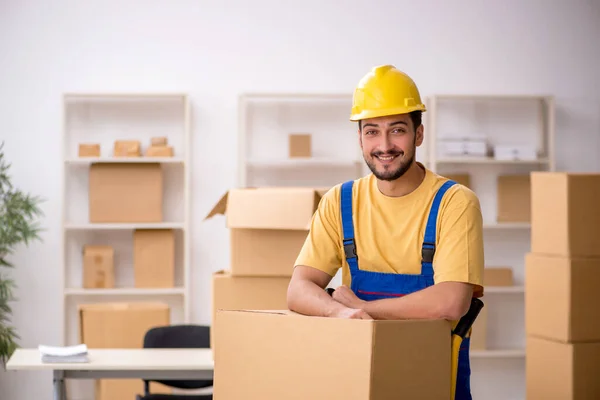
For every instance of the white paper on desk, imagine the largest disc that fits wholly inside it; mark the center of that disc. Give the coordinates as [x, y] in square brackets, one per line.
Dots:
[63, 351]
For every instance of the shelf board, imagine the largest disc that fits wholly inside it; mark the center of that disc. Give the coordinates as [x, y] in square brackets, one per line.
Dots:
[488, 160]
[74, 97]
[507, 225]
[124, 226]
[503, 289]
[123, 291]
[120, 160]
[502, 353]
[303, 162]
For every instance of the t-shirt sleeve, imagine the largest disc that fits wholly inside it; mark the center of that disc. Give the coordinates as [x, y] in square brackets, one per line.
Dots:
[322, 247]
[459, 255]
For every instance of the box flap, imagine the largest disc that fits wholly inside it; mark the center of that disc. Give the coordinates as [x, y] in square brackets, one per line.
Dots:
[269, 207]
[219, 208]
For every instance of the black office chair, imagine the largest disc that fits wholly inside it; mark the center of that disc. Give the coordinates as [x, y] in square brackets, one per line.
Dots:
[174, 337]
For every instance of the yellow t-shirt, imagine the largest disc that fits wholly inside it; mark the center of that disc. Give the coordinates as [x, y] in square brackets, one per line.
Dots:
[389, 232]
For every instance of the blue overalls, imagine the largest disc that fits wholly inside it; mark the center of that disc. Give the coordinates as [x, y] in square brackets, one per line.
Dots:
[369, 285]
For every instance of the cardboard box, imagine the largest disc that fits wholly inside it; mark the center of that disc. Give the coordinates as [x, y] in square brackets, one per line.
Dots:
[159, 141]
[498, 276]
[121, 325]
[463, 179]
[562, 298]
[562, 371]
[89, 150]
[514, 198]
[247, 292]
[127, 148]
[282, 355]
[98, 266]
[271, 225]
[154, 258]
[565, 218]
[125, 192]
[300, 145]
[159, 151]
[253, 253]
[479, 330]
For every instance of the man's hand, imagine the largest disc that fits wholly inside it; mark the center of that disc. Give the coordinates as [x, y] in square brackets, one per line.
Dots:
[351, 313]
[346, 296]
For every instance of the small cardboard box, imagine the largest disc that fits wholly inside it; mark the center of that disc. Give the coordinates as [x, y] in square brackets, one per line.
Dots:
[514, 198]
[562, 298]
[159, 151]
[125, 192]
[565, 217]
[98, 266]
[562, 371]
[247, 292]
[121, 326]
[300, 145]
[462, 179]
[159, 141]
[89, 150]
[127, 148]
[270, 224]
[283, 355]
[498, 276]
[154, 258]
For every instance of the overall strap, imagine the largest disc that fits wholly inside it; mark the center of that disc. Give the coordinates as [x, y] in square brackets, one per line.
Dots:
[348, 225]
[428, 247]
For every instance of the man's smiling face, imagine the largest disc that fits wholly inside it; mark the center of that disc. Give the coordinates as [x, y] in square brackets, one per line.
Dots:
[389, 145]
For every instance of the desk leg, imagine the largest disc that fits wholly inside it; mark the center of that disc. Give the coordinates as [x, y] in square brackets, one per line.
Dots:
[60, 392]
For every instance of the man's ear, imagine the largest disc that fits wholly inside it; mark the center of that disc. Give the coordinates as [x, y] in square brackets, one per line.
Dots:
[360, 138]
[419, 135]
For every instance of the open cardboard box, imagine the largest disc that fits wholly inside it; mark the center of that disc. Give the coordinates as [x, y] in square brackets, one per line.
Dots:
[263, 354]
[268, 227]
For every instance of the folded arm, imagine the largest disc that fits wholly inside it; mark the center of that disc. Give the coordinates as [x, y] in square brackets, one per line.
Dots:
[445, 300]
[306, 295]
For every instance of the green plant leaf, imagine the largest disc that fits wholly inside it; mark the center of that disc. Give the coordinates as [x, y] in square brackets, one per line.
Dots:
[19, 215]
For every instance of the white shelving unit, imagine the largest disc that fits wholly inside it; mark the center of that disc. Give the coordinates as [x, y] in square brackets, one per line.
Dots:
[498, 371]
[266, 120]
[104, 118]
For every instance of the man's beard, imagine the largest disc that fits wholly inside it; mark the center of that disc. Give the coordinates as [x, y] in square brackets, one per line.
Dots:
[389, 175]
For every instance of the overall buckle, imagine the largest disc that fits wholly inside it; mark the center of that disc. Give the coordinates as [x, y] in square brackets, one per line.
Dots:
[350, 249]
[427, 252]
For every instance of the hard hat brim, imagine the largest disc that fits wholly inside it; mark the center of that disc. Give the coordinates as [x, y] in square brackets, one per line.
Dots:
[386, 112]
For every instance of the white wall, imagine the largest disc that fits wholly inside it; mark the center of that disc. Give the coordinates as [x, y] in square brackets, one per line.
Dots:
[215, 50]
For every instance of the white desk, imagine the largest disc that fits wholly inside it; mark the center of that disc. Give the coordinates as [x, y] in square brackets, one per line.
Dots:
[122, 364]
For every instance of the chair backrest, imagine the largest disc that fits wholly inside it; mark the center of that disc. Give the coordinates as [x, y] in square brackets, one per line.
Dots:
[177, 337]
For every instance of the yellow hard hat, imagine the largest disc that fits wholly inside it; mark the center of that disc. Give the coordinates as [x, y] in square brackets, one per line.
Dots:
[385, 90]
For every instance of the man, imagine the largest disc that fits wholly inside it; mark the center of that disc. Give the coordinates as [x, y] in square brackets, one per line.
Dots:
[409, 241]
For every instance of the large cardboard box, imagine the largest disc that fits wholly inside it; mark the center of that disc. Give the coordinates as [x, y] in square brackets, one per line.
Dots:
[565, 218]
[514, 198]
[247, 292]
[125, 192]
[154, 258]
[562, 371]
[562, 298]
[479, 331]
[268, 227]
[121, 325]
[282, 355]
